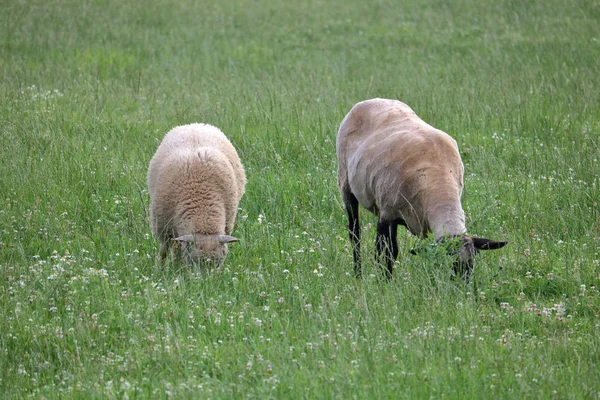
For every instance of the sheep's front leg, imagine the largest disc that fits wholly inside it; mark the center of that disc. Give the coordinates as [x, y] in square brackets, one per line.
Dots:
[351, 204]
[163, 251]
[387, 245]
[165, 242]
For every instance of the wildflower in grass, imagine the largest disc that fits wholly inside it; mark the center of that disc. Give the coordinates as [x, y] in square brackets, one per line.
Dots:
[529, 306]
[528, 275]
[546, 312]
[124, 384]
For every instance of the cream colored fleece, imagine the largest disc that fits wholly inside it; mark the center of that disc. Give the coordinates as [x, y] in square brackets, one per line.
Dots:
[195, 181]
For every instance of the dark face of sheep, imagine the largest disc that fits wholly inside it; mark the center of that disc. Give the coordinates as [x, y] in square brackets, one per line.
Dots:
[205, 250]
[467, 248]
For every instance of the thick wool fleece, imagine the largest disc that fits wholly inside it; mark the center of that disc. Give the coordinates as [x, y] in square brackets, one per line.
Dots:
[196, 181]
[398, 166]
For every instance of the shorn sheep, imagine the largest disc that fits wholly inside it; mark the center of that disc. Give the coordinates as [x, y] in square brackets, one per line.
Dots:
[407, 173]
[195, 180]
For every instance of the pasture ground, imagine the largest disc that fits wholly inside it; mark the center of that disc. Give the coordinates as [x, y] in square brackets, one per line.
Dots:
[89, 88]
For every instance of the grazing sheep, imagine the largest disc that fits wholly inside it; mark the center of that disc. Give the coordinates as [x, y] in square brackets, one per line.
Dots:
[196, 181]
[408, 173]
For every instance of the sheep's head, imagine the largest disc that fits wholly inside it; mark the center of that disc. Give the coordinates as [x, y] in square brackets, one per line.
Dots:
[468, 246]
[205, 250]
[464, 249]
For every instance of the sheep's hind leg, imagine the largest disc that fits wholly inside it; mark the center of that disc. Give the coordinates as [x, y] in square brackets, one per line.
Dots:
[351, 204]
[387, 244]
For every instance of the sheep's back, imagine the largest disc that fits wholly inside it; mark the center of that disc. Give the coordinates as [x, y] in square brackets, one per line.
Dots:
[195, 180]
[195, 189]
[396, 163]
[195, 136]
[199, 170]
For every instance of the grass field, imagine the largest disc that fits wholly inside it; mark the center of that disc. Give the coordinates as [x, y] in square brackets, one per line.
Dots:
[89, 88]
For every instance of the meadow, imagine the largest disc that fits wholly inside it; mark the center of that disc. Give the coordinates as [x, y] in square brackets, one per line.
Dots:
[90, 87]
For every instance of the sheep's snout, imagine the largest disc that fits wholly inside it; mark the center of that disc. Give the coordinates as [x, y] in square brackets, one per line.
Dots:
[469, 247]
[205, 250]
[464, 257]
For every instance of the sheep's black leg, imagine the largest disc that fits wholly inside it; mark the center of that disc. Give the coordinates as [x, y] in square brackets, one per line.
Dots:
[387, 244]
[351, 204]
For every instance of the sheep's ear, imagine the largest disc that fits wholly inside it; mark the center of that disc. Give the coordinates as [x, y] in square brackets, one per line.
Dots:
[487, 244]
[184, 239]
[227, 239]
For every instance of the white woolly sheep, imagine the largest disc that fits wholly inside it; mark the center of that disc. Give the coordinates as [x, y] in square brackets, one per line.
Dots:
[196, 181]
[407, 172]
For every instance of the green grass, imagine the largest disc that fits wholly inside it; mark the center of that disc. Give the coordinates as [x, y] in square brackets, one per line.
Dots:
[89, 88]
